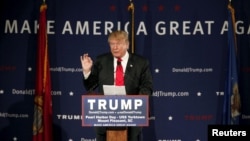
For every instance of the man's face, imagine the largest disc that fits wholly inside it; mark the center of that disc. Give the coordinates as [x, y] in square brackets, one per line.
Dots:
[118, 47]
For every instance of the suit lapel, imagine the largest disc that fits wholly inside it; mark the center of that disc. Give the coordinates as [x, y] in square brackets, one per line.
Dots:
[129, 68]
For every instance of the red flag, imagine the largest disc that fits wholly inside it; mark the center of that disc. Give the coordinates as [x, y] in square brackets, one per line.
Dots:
[42, 124]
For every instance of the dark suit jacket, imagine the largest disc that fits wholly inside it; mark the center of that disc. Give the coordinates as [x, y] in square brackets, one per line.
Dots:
[137, 78]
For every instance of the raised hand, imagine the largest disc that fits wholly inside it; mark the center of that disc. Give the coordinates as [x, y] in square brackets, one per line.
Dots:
[86, 62]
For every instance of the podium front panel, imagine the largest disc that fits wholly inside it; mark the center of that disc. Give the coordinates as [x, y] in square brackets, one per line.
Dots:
[115, 110]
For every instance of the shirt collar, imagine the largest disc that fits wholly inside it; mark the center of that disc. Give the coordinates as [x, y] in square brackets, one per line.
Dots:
[124, 58]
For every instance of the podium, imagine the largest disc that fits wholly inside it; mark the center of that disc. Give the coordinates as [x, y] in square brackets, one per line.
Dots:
[116, 113]
[117, 135]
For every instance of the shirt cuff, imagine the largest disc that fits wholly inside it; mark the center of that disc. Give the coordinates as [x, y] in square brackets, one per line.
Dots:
[86, 75]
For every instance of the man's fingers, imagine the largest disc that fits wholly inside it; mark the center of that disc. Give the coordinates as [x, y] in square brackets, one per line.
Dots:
[84, 56]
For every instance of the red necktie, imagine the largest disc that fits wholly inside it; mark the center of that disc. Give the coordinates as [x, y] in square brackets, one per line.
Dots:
[119, 81]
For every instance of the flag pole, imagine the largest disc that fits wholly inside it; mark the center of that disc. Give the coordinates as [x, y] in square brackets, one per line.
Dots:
[131, 8]
[231, 9]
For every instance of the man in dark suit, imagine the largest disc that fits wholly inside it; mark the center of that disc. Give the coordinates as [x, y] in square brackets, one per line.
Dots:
[137, 76]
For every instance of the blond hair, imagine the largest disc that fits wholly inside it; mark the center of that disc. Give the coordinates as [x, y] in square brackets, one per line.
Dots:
[118, 35]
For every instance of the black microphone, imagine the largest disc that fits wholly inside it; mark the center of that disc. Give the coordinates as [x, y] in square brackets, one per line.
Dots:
[92, 88]
[118, 62]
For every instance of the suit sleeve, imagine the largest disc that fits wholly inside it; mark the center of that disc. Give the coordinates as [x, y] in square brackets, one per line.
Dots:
[91, 83]
[146, 82]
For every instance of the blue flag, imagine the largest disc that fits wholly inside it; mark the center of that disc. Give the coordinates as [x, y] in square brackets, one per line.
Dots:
[231, 107]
